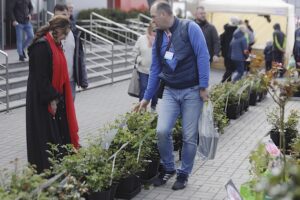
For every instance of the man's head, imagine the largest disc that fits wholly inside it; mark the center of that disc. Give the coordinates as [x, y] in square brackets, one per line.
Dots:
[200, 14]
[162, 15]
[70, 8]
[276, 26]
[61, 9]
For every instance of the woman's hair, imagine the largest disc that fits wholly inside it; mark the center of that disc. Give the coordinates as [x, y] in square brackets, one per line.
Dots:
[58, 22]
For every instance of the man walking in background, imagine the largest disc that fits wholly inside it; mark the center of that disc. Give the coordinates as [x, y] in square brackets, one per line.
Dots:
[210, 34]
[74, 54]
[20, 14]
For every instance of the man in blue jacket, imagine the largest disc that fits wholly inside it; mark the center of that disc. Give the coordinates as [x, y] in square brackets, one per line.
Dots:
[180, 59]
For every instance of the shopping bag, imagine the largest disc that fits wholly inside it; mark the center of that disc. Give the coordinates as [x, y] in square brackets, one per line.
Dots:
[134, 85]
[292, 63]
[208, 134]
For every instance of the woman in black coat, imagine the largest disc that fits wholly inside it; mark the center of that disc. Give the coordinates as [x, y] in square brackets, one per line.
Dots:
[50, 114]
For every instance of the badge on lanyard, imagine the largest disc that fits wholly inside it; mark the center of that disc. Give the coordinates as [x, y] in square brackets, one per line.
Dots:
[169, 55]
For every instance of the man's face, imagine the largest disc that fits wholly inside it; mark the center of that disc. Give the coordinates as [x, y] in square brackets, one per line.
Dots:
[158, 18]
[200, 14]
[64, 13]
[70, 9]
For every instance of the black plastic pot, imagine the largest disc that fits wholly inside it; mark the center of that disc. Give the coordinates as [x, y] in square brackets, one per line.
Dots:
[246, 105]
[253, 98]
[242, 110]
[113, 190]
[233, 111]
[104, 195]
[260, 96]
[128, 187]
[274, 135]
[150, 171]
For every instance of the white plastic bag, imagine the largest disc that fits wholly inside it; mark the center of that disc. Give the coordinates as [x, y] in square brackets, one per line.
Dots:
[208, 134]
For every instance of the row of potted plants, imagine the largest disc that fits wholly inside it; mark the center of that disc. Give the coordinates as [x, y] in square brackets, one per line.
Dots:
[104, 169]
[275, 168]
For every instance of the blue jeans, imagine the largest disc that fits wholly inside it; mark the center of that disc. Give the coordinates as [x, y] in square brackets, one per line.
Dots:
[240, 68]
[21, 45]
[143, 86]
[188, 104]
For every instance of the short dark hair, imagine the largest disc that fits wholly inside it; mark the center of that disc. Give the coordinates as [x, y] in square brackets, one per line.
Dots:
[164, 6]
[60, 7]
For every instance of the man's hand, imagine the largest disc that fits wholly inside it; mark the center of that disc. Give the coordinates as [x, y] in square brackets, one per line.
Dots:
[215, 58]
[204, 94]
[141, 106]
[15, 23]
[29, 17]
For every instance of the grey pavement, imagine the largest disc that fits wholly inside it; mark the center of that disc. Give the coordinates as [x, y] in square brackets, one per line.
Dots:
[97, 107]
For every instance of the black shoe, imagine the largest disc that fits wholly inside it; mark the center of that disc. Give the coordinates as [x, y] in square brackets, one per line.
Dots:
[181, 182]
[163, 177]
[21, 58]
[24, 55]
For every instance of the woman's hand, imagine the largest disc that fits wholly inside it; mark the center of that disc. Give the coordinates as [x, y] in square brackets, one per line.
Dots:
[53, 107]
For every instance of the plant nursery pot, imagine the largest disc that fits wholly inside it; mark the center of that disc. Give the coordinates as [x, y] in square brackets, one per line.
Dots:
[242, 110]
[233, 111]
[246, 105]
[113, 190]
[128, 187]
[150, 172]
[260, 96]
[296, 93]
[253, 98]
[103, 195]
[274, 135]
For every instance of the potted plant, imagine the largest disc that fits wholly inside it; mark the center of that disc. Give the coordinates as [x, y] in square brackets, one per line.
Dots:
[89, 166]
[21, 184]
[218, 99]
[290, 128]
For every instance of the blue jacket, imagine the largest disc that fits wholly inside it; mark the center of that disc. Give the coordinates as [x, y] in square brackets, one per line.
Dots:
[237, 46]
[193, 43]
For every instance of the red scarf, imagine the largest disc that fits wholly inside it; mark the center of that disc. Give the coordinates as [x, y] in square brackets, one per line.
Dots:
[61, 83]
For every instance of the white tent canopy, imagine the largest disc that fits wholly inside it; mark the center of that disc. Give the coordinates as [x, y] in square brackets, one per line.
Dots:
[276, 8]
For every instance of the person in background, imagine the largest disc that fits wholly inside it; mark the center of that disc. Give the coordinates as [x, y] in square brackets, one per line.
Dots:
[210, 34]
[180, 59]
[226, 38]
[143, 49]
[74, 53]
[268, 55]
[239, 51]
[50, 112]
[296, 48]
[279, 43]
[20, 14]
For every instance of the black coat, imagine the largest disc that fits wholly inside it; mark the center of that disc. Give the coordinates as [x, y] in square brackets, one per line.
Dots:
[212, 38]
[226, 38]
[19, 10]
[41, 127]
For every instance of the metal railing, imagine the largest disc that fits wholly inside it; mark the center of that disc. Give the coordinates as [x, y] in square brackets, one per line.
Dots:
[115, 32]
[96, 45]
[144, 18]
[5, 67]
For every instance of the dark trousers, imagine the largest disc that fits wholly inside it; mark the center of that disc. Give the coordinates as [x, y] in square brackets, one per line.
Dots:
[230, 68]
[143, 86]
[268, 65]
[278, 57]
